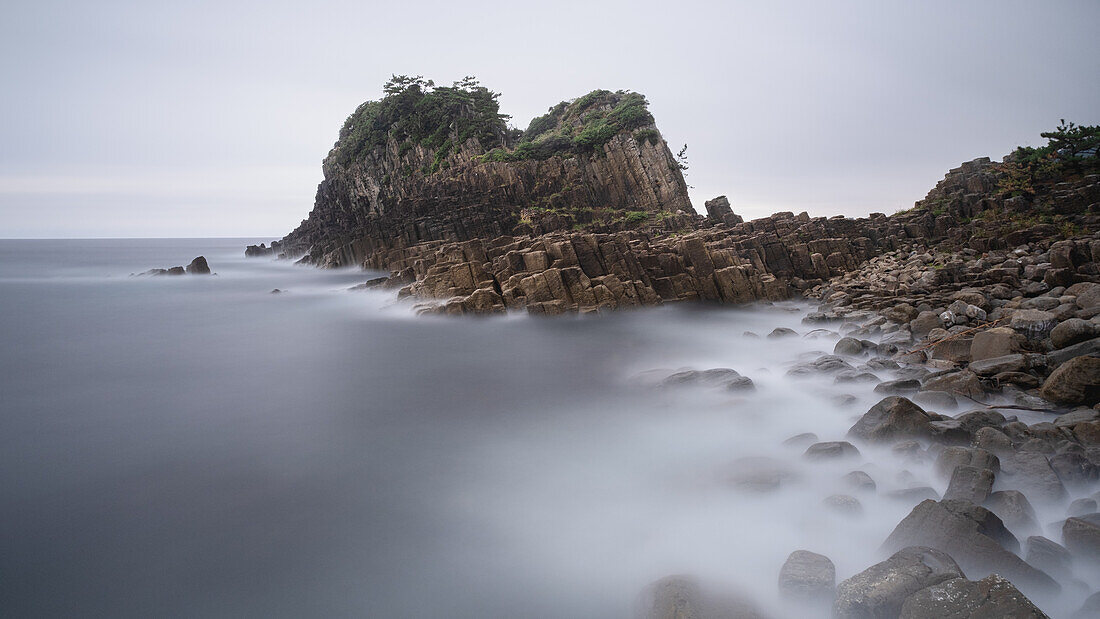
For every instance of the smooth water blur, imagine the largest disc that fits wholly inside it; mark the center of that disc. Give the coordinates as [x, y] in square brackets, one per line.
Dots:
[196, 446]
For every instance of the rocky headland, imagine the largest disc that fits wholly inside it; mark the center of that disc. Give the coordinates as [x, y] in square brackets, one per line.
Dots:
[981, 306]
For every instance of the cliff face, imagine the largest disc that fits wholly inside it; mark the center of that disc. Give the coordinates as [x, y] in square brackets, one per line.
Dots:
[601, 153]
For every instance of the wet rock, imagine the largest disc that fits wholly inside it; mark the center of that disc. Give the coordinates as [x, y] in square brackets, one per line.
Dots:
[1080, 507]
[801, 439]
[976, 537]
[199, 266]
[960, 598]
[965, 383]
[924, 323]
[992, 440]
[860, 481]
[782, 332]
[807, 577]
[831, 450]
[970, 483]
[936, 400]
[1076, 381]
[1032, 323]
[827, 364]
[1031, 472]
[855, 376]
[1049, 556]
[175, 271]
[1014, 510]
[892, 418]
[1082, 539]
[1090, 609]
[844, 503]
[905, 385]
[1074, 469]
[881, 590]
[1086, 348]
[956, 456]
[998, 365]
[849, 346]
[996, 342]
[1073, 331]
[759, 474]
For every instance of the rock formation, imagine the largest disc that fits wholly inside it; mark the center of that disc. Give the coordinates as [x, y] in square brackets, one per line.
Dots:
[431, 164]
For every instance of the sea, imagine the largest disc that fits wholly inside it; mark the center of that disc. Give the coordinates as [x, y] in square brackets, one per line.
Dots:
[202, 446]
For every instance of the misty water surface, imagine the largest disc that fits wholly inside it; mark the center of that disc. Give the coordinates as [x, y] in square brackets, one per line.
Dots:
[198, 446]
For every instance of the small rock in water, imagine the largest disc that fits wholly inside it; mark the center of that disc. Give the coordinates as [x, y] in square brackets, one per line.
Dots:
[831, 450]
[808, 577]
[860, 481]
[782, 332]
[199, 266]
[844, 503]
[276, 291]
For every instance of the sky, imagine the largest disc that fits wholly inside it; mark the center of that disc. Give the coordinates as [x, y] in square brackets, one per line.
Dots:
[195, 119]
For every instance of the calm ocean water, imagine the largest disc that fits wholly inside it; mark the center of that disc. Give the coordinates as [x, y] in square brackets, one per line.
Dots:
[198, 447]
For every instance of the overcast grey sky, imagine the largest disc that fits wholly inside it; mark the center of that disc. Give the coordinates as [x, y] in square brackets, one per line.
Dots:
[211, 118]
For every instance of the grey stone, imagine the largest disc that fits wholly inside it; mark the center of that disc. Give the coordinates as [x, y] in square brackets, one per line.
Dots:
[1049, 556]
[1076, 381]
[1082, 539]
[1073, 331]
[995, 342]
[970, 483]
[976, 538]
[808, 576]
[992, 597]
[904, 385]
[936, 400]
[880, 590]
[1031, 473]
[997, 365]
[1014, 510]
[831, 450]
[892, 418]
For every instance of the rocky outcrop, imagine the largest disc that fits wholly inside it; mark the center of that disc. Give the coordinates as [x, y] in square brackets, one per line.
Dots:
[198, 266]
[387, 187]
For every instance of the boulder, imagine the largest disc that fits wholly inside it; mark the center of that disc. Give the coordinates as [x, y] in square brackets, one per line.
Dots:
[860, 481]
[1032, 323]
[924, 323]
[952, 457]
[781, 332]
[976, 537]
[1051, 557]
[995, 342]
[965, 383]
[831, 450]
[991, 597]
[198, 266]
[807, 576]
[848, 346]
[997, 365]
[970, 483]
[937, 400]
[1082, 539]
[992, 440]
[1031, 472]
[1073, 331]
[881, 590]
[1076, 381]
[894, 417]
[718, 208]
[1074, 469]
[1014, 510]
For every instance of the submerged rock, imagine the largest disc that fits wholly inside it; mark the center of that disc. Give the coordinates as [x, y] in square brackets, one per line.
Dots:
[893, 417]
[808, 577]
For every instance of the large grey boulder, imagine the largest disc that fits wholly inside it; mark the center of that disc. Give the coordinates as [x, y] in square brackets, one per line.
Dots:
[996, 365]
[892, 418]
[995, 342]
[807, 577]
[970, 483]
[199, 266]
[1072, 331]
[1049, 556]
[1014, 510]
[1031, 472]
[976, 538]
[1076, 381]
[1082, 539]
[880, 590]
[992, 597]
